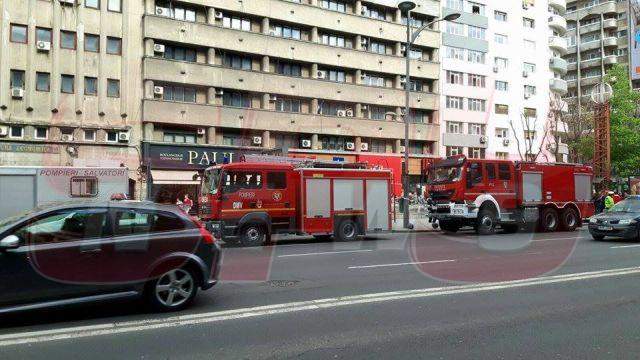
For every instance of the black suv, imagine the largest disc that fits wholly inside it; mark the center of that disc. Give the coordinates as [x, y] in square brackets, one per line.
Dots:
[83, 252]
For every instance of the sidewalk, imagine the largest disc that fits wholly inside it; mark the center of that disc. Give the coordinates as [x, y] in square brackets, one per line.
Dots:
[420, 223]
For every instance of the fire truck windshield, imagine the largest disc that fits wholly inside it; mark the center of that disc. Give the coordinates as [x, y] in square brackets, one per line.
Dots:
[211, 181]
[440, 175]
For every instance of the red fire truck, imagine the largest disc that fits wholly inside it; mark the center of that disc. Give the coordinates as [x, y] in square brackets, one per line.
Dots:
[262, 195]
[487, 193]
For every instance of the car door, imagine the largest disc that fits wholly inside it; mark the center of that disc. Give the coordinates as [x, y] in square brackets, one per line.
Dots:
[56, 257]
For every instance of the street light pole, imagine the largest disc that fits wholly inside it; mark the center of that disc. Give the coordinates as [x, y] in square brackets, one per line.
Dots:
[405, 8]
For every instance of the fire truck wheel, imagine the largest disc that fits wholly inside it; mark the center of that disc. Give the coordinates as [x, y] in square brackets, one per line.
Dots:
[253, 235]
[486, 222]
[347, 230]
[449, 226]
[549, 220]
[569, 219]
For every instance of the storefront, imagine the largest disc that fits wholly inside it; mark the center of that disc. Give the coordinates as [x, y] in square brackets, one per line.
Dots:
[170, 168]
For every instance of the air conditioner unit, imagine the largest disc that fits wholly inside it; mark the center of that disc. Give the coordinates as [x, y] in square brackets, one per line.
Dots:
[4, 130]
[350, 146]
[483, 139]
[68, 2]
[67, 137]
[17, 93]
[349, 113]
[364, 147]
[219, 15]
[341, 113]
[219, 92]
[257, 140]
[158, 91]
[124, 136]
[158, 48]
[364, 107]
[363, 76]
[363, 10]
[505, 142]
[163, 11]
[43, 46]
[364, 42]
[273, 98]
[403, 80]
[201, 131]
[525, 74]
[306, 143]
[496, 69]
[402, 149]
[526, 96]
[322, 74]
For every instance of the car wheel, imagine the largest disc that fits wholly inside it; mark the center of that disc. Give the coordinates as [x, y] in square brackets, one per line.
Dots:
[569, 219]
[253, 235]
[486, 222]
[347, 230]
[173, 290]
[549, 220]
[597, 237]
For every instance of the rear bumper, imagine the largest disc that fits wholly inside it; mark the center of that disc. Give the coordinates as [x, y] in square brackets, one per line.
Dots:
[619, 231]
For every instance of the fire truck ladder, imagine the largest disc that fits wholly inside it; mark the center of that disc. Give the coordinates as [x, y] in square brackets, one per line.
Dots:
[302, 162]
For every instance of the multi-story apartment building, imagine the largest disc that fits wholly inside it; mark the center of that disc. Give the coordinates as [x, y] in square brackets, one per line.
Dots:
[161, 85]
[69, 83]
[598, 38]
[500, 67]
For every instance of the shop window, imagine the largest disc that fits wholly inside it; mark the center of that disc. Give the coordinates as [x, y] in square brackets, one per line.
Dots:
[276, 180]
[82, 186]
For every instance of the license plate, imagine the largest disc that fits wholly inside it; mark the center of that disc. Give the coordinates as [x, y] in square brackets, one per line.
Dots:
[605, 228]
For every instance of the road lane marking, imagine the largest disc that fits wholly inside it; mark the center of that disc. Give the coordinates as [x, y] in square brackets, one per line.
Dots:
[401, 264]
[74, 333]
[624, 246]
[565, 238]
[325, 253]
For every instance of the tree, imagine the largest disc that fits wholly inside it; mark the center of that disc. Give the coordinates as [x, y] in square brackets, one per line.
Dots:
[576, 130]
[625, 124]
[531, 142]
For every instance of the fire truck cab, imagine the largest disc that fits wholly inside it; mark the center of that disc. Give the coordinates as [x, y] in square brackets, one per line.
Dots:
[487, 193]
[250, 200]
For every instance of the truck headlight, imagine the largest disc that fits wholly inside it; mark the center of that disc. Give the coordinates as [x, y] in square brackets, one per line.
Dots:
[593, 220]
[627, 222]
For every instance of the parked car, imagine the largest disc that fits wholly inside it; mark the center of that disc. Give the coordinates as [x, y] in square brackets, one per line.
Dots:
[622, 221]
[94, 251]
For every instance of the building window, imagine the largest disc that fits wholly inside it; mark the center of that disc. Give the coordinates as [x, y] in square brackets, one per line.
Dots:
[237, 23]
[502, 85]
[421, 117]
[455, 102]
[501, 63]
[454, 53]
[501, 155]
[43, 34]
[501, 39]
[43, 82]
[236, 99]
[529, 135]
[477, 32]
[476, 129]
[377, 47]
[500, 15]
[417, 85]
[67, 84]
[16, 132]
[454, 150]
[529, 68]
[236, 139]
[476, 80]
[476, 57]
[111, 136]
[454, 127]
[41, 133]
[333, 143]
[16, 79]
[528, 23]
[477, 104]
[377, 112]
[113, 88]
[336, 75]
[334, 5]
[378, 146]
[179, 93]
[374, 13]
[19, 33]
[179, 137]
[373, 80]
[288, 105]
[476, 153]
[454, 28]
[114, 5]
[502, 109]
[85, 187]
[284, 68]
[177, 11]
[455, 77]
[89, 135]
[68, 40]
[91, 43]
[455, 4]
[90, 86]
[114, 46]
[476, 8]
[502, 133]
[94, 4]
[286, 32]
[529, 45]
[236, 61]
[529, 90]
[333, 40]
[331, 108]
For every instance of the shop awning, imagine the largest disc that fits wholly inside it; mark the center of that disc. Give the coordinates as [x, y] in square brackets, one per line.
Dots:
[161, 177]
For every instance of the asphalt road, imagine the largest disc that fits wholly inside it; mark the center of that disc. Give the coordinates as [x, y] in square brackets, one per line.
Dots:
[424, 295]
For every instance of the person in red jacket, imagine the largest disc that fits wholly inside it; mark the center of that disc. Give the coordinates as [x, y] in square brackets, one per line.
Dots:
[616, 198]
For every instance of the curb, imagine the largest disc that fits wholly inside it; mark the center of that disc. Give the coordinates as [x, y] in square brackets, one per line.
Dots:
[406, 231]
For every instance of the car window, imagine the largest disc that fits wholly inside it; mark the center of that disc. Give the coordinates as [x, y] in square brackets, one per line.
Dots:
[65, 225]
[239, 180]
[475, 173]
[276, 180]
[504, 172]
[491, 171]
[130, 222]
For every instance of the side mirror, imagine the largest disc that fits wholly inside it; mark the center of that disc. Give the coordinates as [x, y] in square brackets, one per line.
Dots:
[9, 242]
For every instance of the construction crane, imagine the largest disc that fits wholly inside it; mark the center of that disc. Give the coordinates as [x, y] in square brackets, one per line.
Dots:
[600, 95]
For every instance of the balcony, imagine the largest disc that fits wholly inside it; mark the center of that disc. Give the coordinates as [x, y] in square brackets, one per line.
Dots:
[610, 24]
[558, 23]
[610, 59]
[589, 63]
[610, 41]
[467, 140]
[205, 35]
[558, 65]
[558, 44]
[203, 115]
[559, 5]
[206, 75]
[590, 45]
[591, 80]
[558, 86]
[608, 7]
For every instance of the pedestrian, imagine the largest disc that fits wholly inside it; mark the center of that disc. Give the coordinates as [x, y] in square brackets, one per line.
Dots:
[616, 198]
[608, 201]
[187, 203]
[599, 202]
